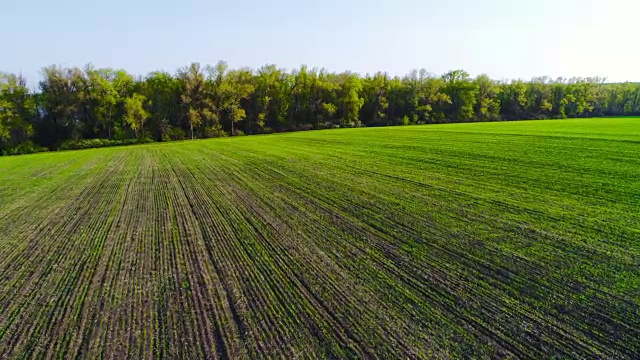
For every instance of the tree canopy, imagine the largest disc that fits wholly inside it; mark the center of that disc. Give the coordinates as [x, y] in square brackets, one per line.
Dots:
[75, 104]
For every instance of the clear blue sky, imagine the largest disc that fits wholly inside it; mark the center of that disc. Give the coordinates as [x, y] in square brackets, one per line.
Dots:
[503, 38]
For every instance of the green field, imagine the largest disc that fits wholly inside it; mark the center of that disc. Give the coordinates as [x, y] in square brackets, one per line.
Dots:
[490, 240]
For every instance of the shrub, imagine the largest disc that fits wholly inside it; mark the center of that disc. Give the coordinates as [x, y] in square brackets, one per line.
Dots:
[324, 125]
[173, 134]
[98, 143]
[305, 127]
[214, 132]
[26, 147]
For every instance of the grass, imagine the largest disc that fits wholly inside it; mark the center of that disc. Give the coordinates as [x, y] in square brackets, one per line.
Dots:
[465, 240]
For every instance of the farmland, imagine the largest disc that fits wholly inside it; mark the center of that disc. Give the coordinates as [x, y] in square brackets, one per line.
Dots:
[517, 239]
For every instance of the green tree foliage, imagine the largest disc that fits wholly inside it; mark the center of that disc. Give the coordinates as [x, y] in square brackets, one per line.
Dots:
[235, 87]
[513, 100]
[539, 98]
[350, 102]
[62, 101]
[426, 97]
[462, 92]
[267, 96]
[103, 97]
[487, 104]
[163, 92]
[197, 99]
[17, 111]
[73, 104]
[375, 92]
[135, 114]
[103, 94]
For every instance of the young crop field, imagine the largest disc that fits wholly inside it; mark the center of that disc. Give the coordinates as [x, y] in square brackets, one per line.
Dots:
[482, 240]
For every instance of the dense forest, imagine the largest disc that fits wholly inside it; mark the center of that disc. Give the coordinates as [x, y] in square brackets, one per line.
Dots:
[91, 107]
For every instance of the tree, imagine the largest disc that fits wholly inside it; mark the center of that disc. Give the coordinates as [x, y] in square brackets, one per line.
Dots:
[428, 97]
[270, 100]
[513, 100]
[123, 84]
[539, 98]
[134, 113]
[487, 107]
[323, 108]
[235, 87]
[560, 99]
[89, 103]
[462, 92]
[580, 98]
[349, 99]
[199, 106]
[163, 92]
[374, 92]
[17, 111]
[61, 104]
[104, 95]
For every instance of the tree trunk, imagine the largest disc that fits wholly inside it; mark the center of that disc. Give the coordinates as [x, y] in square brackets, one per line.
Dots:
[109, 124]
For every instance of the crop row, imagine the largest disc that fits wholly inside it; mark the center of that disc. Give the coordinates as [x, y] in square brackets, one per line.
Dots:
[389, 243]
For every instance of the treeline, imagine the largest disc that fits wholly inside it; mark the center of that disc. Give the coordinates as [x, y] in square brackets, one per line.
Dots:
[75, 108]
